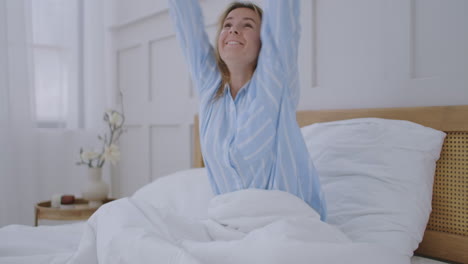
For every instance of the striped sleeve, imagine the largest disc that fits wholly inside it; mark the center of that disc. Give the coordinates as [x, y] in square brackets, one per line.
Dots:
[194, 42]
[280, 38]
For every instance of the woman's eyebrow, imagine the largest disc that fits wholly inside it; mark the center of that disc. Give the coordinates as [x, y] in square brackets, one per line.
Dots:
[245, 18]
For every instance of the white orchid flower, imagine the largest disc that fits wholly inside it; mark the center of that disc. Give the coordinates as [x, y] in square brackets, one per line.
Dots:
[115, 119]
[109, 151]
[112, 154]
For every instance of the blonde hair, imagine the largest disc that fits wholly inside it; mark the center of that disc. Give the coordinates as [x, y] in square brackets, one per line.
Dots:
[225, 75]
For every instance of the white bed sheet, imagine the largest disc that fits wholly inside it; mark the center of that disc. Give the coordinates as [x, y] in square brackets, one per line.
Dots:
[168, 209]
[247, 226]
[60, 241]
[20, 244]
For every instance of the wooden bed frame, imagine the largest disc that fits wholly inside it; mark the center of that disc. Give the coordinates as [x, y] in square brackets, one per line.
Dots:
[446, 235]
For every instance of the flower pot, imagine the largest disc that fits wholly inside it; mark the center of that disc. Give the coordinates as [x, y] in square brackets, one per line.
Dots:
[95, 190]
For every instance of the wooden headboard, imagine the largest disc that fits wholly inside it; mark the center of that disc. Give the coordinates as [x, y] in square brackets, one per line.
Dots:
[446, 236]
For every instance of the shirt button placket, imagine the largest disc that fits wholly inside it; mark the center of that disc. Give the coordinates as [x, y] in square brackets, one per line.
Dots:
[233, 125]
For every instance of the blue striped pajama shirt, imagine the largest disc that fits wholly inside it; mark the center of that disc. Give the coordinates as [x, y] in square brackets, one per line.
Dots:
[254, 140]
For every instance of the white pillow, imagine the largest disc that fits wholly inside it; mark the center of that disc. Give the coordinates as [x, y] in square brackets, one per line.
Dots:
[377, 176]
[185, 192]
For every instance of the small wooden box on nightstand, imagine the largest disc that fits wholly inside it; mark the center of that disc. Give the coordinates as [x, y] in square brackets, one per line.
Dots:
[80, 210]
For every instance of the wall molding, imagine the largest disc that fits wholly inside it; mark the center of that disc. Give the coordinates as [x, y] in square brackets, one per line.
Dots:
[151, 141]
[141, 19]
[117, 55]
[412, 45]
[314, 49]
[412, 38]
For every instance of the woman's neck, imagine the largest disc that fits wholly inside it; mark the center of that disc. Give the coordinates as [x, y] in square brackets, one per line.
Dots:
[238, 78]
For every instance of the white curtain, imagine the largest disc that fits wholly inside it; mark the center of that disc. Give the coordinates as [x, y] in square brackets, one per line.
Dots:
[38, 163]
[18, 149]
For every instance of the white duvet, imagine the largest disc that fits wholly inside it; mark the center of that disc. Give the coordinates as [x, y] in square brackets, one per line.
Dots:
[248, 226]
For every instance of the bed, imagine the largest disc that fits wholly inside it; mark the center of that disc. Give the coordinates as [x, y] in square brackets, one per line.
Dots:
[163, 222]
[446, 235]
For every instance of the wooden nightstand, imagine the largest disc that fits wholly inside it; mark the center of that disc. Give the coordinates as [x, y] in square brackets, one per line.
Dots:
[79, 211]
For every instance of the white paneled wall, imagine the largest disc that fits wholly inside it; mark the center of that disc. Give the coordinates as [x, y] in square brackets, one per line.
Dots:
[439, 42]
[385, 53]
[353, 54]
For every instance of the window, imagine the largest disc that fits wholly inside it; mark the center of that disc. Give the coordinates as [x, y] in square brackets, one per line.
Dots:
[57, 65]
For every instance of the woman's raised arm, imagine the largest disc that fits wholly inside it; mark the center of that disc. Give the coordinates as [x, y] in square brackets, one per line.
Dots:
[280, 38]
[190, 30]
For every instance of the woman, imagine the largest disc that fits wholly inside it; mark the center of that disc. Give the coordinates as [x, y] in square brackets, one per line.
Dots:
[249, 90]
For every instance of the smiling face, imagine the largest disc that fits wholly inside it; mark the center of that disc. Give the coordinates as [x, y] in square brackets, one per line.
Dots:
[239, 40]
